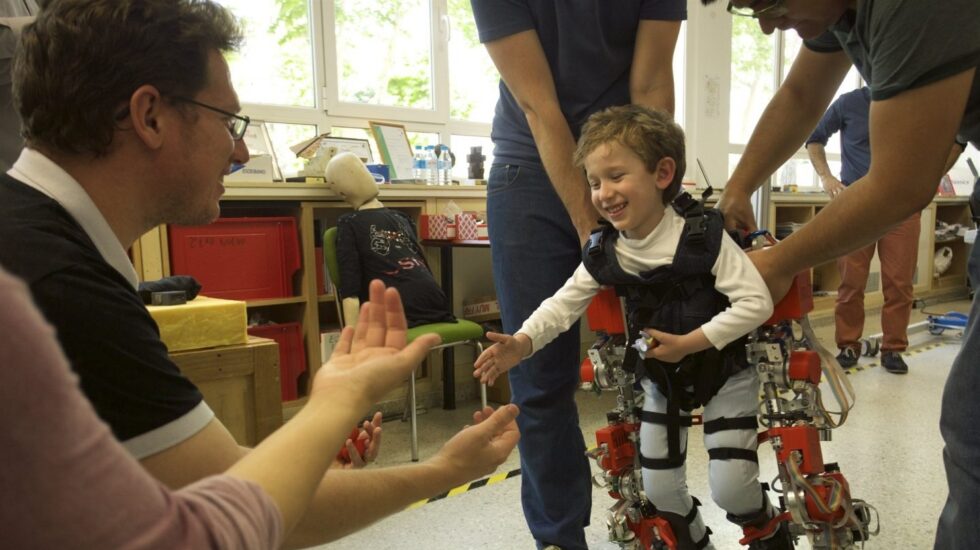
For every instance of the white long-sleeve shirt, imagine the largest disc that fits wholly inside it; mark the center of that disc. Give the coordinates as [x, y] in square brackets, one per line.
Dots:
[735, 277]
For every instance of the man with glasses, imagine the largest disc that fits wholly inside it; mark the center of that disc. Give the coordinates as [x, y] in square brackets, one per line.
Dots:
[920, 62]
[130, 121]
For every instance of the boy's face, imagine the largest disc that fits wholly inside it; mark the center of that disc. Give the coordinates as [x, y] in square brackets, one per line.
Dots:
[624, 192]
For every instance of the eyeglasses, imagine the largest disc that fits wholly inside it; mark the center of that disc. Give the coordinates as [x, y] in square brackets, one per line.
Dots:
[236, 123]
[774, 8]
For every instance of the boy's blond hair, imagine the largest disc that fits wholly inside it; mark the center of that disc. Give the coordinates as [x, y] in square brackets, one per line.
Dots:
[649, 133]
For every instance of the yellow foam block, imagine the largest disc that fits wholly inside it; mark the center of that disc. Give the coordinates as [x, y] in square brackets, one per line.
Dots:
[201, 323]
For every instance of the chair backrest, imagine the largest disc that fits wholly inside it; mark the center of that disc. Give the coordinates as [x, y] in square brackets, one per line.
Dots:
[330, 256]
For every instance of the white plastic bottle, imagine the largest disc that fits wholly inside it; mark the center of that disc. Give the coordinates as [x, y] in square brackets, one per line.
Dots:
[445, 167]
[431, 166]
[418, 166]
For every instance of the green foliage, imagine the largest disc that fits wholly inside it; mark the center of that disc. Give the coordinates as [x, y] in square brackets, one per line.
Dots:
[753, 53]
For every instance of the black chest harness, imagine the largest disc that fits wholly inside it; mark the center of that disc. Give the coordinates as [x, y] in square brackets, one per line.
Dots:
[676, 299]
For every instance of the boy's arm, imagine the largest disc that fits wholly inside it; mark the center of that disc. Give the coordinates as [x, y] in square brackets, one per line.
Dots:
[556, 314]
[737, 278]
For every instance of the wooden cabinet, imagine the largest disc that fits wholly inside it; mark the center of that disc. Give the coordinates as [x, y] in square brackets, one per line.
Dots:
[798, 209]
[241, 385]
[953, 213]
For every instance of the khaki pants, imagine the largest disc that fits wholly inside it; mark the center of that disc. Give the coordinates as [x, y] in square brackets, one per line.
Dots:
[898, 252]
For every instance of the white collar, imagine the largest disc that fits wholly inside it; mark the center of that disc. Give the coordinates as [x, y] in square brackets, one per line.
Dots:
[42, 174]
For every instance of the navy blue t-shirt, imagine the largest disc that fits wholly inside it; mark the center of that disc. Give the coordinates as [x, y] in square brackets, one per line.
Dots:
[849, 116]
[589, 46]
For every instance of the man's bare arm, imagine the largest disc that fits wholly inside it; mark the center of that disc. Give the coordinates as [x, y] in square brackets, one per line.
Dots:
[909, 133]
[349, 500]
[652, 74]
[524, 69]
[787, 121]
[818, 158]
[954, 155]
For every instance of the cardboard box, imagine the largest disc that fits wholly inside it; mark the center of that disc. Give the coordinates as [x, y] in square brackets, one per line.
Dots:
[481, 308]
[436, 227]
[466, 227]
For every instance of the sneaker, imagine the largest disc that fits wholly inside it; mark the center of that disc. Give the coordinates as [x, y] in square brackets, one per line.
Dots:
[893, 362]
[847, 358]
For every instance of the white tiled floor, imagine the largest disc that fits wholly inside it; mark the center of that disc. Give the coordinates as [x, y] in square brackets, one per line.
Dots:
[889, 449]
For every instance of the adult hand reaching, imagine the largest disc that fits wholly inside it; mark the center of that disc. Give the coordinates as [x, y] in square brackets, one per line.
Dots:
[478, 449]
[737, 210]
[832, 186]
[371, 358]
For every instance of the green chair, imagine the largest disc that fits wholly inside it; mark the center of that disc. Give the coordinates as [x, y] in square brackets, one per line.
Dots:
[462, 332]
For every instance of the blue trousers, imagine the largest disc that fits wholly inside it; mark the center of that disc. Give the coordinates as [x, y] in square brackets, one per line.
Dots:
[959, 523]
[535, 249]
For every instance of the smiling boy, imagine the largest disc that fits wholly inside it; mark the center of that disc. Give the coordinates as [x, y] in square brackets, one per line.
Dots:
[669, 263]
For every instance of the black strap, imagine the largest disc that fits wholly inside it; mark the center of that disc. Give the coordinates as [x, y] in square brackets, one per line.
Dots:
[663, 463]
[738, 423]
[733, 453]
[693, 514]
[662, 419]
[704, 540]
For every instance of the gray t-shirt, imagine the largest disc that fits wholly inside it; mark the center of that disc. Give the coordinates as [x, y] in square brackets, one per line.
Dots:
[900, 45]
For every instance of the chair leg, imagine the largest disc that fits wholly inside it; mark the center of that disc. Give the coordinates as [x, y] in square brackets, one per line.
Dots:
[483, 386]
[413, 422]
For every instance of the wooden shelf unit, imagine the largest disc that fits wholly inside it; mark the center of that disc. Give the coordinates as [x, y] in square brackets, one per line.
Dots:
[802, 207]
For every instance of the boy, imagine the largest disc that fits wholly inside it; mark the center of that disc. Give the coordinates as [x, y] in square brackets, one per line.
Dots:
[691, 290]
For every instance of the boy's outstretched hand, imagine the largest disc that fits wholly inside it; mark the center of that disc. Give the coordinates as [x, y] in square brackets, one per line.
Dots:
[500, 357]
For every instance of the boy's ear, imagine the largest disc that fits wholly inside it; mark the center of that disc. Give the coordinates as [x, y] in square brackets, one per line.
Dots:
[664, 173]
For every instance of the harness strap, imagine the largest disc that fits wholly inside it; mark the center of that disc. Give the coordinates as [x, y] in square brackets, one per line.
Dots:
[737, 423]
[664, 420]
[663, 463]
[733, 453]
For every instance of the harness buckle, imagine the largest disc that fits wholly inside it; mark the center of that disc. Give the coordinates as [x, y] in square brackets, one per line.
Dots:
[595, 242]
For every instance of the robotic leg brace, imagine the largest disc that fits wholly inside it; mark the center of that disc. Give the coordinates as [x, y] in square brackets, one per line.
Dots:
[815, 497]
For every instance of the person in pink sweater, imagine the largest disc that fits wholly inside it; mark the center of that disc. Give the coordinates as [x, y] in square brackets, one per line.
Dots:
[67, 483]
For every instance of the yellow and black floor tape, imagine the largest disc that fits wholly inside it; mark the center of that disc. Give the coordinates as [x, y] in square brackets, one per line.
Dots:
[497, 478]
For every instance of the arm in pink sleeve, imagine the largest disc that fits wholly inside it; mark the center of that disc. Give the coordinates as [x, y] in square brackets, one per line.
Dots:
[67, 483]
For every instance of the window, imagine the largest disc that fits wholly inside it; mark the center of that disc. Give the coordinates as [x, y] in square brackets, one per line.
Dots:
[275, 65]
[472, 75]
[384, 53]
[309, 67]
[753, 59]
[759, 64]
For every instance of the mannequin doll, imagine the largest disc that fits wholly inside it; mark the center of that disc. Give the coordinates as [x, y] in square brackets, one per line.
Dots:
[375, 242]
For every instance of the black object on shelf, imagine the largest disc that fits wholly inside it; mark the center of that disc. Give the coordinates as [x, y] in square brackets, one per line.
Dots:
[475, 160]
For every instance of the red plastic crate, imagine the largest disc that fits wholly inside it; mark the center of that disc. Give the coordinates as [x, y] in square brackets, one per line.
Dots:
[238, 258]
[292, 354]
